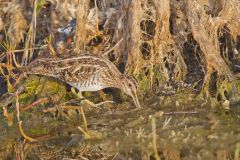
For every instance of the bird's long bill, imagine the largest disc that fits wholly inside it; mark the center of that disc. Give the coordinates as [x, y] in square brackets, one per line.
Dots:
[135, 99]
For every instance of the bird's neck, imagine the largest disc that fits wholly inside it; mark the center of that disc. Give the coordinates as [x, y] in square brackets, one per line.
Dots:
[118, 82]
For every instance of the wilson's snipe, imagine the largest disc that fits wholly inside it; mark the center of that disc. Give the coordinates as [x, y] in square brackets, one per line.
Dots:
[86, 72]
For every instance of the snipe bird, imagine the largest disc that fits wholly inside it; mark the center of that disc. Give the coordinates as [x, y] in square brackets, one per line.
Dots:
[86, 72]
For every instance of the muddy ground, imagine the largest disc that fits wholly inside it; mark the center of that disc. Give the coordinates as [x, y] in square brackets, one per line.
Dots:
[184, 55]
[184, 130]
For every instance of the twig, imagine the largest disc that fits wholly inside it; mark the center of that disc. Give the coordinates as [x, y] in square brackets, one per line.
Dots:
[54, 109]
[84, 119]
[21, 76]
[87, 136]
[31, 36]
[110, 50]
[20, 122]
[33, 48]
[182, 112]
[17, 107]
[154, 139]
[34, 104]
[23, 133]
[8, 117]
[95, 2]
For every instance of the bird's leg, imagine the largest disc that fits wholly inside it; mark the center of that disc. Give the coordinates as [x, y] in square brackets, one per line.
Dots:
[79, 95]
[102, 95]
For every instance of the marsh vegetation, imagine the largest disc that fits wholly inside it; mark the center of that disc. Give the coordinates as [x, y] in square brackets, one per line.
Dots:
[185, 55]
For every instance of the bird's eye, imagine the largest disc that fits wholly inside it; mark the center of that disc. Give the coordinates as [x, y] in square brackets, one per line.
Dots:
[129, 85]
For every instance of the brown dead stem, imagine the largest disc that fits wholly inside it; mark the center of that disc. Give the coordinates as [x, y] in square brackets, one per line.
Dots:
[85, 131]
[154, 139]
[204, 29]
[84, 119]
[20, 122]
[96, 8]
[64, 107]
[7, 116]
[24, 134]
[13, 21]
[163, 36]
[134, 59]
[83, 7]
[48, 42]
[164, 43]
[31, 37]
[229, 16]
[42, 100]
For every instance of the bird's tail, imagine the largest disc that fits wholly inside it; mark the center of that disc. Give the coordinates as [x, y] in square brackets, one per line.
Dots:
[6, 69]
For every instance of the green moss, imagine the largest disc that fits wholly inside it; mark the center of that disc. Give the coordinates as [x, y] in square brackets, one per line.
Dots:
[144, 85]
[158, 73]
[144, 80]
[26, 99]
[225, 89]
[36, 87]
[31, 84]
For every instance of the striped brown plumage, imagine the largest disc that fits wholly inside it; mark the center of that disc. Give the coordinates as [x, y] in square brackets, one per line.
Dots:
[86, 72]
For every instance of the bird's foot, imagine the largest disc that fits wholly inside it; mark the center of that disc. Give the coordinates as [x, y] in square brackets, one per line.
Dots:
[80, 96]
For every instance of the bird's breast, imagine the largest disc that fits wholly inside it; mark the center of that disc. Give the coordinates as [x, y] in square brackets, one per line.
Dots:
[87, 87]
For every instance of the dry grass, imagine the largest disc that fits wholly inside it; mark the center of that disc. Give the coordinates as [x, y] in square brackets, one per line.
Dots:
[80, 43]
[152, 40]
